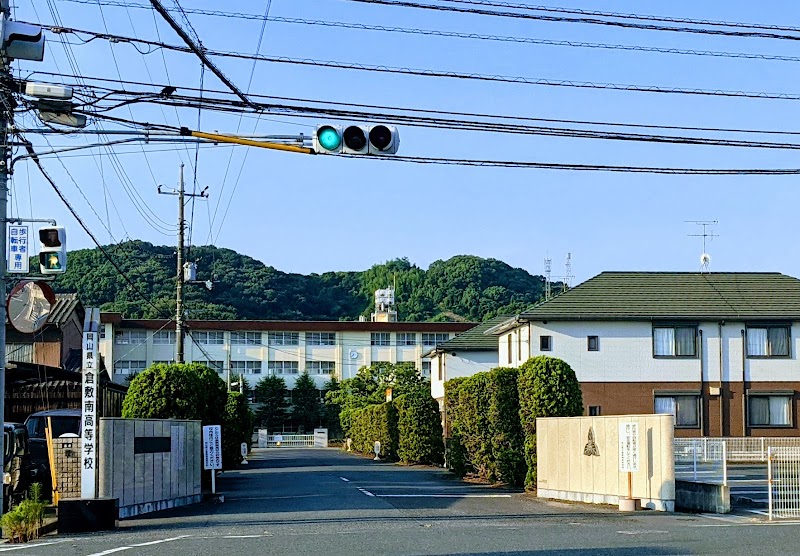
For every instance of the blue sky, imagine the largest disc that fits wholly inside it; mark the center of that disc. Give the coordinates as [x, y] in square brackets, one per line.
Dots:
[329, 213]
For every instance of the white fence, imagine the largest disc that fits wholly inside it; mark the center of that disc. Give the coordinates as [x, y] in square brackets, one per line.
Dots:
[783, 476]
[703, 460]
[741, 449]
[263, 439]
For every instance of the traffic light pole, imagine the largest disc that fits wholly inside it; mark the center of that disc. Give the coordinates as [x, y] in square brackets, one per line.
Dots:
[6, 118]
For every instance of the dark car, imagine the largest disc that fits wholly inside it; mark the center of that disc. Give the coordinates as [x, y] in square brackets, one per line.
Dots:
[17, 470]
[64, 422]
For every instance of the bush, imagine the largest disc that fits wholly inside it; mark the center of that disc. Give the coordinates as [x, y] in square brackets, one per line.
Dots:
[419, 428]
[237, 427]
[177, 391]
[548, 387]
[23, 522]
[485, 434]
[376, 422]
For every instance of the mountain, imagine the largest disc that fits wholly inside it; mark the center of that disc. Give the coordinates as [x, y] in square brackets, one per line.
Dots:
[461, 288]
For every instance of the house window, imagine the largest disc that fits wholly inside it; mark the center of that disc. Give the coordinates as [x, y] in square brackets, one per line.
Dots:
[218, 366]
[21, 353]
[685, 409]
[320, 367]
[594, 411]
[163, 337]
[508, 348]
[519, 345]
[321, 338]
[434, 339]
[593, 343]
[406, 339]
[545, 343]
[283, 338]
[426, 368]
[129, 367]
[246, 367]
[283, 367]
[130, 337]
[210, 337]
[675, 341]
[245, 338]
[380, 339]
[162, 362]
[768, 341]
[770, 411]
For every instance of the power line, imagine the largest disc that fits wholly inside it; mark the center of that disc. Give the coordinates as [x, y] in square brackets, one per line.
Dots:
[513, 79]
[587, 20]
[35, 158]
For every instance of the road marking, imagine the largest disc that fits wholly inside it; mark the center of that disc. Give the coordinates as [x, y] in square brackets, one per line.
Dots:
[34, 545]
[345, 480]
[442, 495]
[365, 491]
[150, 543]
[759, 512]
[643, 532]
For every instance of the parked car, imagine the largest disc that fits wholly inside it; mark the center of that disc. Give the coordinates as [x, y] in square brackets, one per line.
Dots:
[65, 422]
[18, 473]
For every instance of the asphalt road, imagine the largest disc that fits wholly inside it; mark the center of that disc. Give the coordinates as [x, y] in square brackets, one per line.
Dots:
[305, 501]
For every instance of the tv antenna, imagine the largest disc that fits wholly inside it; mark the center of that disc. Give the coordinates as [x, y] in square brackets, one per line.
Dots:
[708, 235]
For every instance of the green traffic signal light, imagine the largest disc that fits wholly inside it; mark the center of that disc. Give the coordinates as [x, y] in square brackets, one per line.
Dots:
[50, 261]
[329, 138]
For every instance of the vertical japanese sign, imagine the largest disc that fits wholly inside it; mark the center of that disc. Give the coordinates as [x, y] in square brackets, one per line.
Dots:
[90, 391]
[212, 447]
[17, 255]
[629, 446]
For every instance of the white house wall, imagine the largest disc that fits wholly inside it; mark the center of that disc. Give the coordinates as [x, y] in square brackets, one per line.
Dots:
[465, 363]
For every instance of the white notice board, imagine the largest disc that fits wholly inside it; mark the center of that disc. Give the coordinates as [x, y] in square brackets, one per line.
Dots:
[629, 446]
[212, 447]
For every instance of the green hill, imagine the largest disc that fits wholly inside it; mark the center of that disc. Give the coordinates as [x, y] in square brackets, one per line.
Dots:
[461, 288]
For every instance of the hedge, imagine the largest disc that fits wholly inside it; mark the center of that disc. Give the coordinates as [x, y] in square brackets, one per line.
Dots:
[548, 387]
[375, 422]
[419, 428]
[484, 432]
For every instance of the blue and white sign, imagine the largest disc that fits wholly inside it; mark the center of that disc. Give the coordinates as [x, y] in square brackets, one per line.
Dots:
[18, 253]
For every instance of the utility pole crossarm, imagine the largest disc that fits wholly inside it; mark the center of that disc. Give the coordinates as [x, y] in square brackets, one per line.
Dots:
[186, 132]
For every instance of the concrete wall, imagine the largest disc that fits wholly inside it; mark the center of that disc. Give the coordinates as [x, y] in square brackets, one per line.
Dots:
[702, 497]
[149, 464]
[565, 472]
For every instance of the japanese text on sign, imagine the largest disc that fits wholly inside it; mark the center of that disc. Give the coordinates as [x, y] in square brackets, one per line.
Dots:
[89, 392]
[18, 253]
[212, 447]
[629, 446]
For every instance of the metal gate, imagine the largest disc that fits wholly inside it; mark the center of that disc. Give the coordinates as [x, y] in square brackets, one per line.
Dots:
[783, 478]
[285, 440]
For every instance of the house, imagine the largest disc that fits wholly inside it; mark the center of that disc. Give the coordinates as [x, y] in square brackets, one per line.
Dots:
[261, 347]
[464, 355]
[719, 351]
[58, 343]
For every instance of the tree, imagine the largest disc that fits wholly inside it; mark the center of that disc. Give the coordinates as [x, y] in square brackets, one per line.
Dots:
[238, 424]
[305, 403]
[242, 385]
[370, 384]
[176, 391]
[330, 409]
[548, 387]
[270, 395]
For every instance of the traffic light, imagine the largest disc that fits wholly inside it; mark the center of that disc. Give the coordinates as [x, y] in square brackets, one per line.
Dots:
[356, 139]
[22, 41]
[53, 250]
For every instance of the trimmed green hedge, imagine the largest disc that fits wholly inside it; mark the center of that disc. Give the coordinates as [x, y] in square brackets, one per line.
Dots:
[485, 435]
[548, 387]
[419, 428]
[375, 422]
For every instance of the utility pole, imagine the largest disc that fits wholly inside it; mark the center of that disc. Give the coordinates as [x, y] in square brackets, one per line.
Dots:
[181, 194]
[6, 115]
